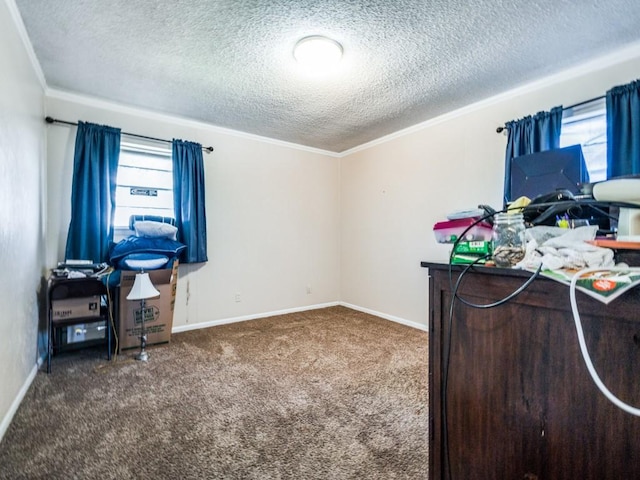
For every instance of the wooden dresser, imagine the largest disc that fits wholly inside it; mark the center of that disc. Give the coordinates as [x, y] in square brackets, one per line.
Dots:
[520, 403]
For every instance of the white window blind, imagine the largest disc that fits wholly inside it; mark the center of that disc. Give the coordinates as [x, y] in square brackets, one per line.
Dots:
[144, 182]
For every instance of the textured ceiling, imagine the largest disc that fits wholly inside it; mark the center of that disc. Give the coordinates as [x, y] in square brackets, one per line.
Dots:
[230, 64]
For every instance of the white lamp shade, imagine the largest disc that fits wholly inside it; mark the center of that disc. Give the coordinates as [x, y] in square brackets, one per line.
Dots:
[625, 190]
[142, 288]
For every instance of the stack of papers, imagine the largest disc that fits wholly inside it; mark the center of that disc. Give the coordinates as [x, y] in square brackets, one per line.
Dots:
[604, 285]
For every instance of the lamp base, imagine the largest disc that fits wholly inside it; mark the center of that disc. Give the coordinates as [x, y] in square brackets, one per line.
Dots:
[629, 225]
[142, 356]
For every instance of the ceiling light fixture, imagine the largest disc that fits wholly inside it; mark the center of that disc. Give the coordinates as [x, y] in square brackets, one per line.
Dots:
[317, 52]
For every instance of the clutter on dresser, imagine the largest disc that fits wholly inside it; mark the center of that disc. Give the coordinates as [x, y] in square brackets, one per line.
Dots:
[468, 233]
[80, 269]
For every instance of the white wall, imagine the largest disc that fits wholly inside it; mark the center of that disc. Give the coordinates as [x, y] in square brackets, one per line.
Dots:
[394, 191]
[356, 228]
[21, 215]
[273, 214]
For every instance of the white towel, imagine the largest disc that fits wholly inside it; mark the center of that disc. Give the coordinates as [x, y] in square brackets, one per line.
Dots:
[558, 248]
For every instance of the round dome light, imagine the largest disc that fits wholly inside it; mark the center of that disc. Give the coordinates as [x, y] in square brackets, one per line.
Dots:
[317, 52]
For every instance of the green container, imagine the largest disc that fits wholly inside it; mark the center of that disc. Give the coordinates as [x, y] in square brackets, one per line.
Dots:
[477, 248]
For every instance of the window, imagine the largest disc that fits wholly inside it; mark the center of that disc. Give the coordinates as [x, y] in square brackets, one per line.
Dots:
[144, 184]
[586, 125]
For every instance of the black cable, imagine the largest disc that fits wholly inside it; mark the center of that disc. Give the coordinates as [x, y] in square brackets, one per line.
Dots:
[448, 339]
[565, 205]
[511, 296]
[445, 373]
[462, 236]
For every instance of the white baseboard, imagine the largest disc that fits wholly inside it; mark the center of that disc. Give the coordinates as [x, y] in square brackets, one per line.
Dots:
[224, 321]
[393, 318]
[6, 421]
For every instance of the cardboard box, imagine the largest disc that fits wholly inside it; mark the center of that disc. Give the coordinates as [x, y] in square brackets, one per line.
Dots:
[75, 307]
[158, 311]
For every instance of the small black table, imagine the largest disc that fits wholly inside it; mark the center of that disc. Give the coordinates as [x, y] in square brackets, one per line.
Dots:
[61, 288]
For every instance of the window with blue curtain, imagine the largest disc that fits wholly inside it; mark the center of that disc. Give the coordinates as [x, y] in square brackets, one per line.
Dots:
[95, 167]
[189, 199]
[623, 130]
[93, 198]
[531, 134]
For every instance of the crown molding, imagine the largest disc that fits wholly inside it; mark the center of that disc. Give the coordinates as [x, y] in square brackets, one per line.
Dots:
[22, 32]
[630, 52]
[176, 120]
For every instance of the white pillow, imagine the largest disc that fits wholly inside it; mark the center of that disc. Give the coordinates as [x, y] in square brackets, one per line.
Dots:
[147, 228]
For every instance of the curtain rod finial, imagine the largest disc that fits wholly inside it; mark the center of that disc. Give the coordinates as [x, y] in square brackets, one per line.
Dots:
[49, 119]
[500, 129]
[208, 149]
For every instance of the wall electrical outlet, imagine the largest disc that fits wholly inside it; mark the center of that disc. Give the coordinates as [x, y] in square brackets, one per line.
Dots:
[237, 297]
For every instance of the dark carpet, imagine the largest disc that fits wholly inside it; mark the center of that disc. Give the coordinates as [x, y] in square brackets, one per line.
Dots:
[325, 394]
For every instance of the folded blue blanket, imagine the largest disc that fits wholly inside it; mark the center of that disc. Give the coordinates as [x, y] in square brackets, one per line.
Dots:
[132, 245]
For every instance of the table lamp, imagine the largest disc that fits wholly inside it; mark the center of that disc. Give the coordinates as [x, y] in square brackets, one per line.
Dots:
[142, 290]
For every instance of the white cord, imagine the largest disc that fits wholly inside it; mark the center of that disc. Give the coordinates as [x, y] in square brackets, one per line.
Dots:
[583, 346]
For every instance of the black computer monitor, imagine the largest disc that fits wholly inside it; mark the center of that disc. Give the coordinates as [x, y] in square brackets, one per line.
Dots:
[545, 172]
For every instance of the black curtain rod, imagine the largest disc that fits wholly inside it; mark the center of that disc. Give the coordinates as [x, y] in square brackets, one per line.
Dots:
[55, 120]
[579, 104]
